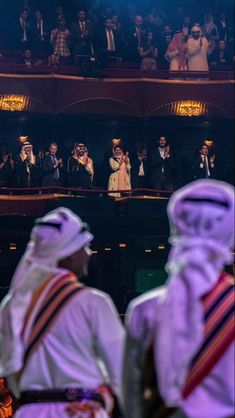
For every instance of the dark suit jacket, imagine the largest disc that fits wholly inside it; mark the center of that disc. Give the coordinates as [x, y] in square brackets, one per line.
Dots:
[26, 176]
[102, 43]
[134, 42]
[48, 173]
[136, 180]
[81, 43]
[200, 171]
[156, 164]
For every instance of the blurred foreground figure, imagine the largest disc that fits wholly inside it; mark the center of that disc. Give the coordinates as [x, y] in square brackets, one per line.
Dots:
[187, 326]
[61, 342]
[5, 401]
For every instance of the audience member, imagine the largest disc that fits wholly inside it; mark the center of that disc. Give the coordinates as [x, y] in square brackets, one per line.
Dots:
[60, 41]
[161, 166]
[204, 166]
[224, 27]
[197, 49]
[176, 53]
[52, 168]
[27, 170]
[120, 178]
[164, 42]
[135, 38]
[80, 168]
[39, 31]
[6, 166]
[148, 54]
[139, 168]
[23, 29]
[108, 42]
[209, 28]
[27, 58]
[81, 38]
[221, 55]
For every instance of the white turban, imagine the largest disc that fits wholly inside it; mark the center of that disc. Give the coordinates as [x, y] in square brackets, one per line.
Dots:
[202, 233]
[57, 235]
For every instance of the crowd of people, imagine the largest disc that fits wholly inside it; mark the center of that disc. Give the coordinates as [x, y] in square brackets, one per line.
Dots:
[121, 171]
[65, 352]
[154, 37]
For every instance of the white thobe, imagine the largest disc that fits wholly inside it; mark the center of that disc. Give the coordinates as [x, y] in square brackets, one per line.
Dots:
[197, 55]
[82, 349]
[213, 397]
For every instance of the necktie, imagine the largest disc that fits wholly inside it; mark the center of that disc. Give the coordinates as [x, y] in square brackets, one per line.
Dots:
[56, 174]
[207, 167]
[111, 44]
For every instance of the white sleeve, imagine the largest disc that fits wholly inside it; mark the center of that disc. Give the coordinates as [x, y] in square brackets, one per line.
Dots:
[192, 49]
[109, 335]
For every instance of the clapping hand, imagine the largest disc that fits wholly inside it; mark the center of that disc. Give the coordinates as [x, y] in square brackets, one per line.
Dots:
[212, 159]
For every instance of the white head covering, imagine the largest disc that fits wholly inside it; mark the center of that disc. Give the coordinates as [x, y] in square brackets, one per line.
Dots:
[57, 235]
[202, 233]
[23, 155]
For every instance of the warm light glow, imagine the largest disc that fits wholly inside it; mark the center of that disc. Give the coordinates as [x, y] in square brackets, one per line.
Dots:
[13, 246]
[107, 249]
[13, 102]
[122, 245]
[94, 252]
[189, 108]
[161, 247]
[209, 142]
[148, 250]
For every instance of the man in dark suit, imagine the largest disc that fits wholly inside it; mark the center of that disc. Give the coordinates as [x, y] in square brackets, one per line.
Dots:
[39, 32]
[139, 169]
[81, 37]
[135, 38]
[161, 166]
[51, 168]
[108, 42]
[204, 166]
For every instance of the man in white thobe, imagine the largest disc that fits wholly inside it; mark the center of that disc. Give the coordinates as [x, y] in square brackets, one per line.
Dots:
[197, 49]
[71, 367]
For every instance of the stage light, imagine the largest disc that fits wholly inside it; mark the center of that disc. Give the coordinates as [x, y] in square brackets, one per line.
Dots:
[122, 245]
[94, 252]
[108, 249]
[148, 250]
[161, 247]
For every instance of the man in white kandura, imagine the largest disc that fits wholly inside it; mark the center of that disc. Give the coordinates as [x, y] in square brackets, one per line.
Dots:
[61, 342]
[187, 326]
[197, 49]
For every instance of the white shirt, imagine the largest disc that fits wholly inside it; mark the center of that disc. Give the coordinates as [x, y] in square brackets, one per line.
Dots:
[82, 349]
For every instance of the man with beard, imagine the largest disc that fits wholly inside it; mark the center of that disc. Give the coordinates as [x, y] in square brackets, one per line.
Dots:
[161, 166]
[61, 342]
[80, 168]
